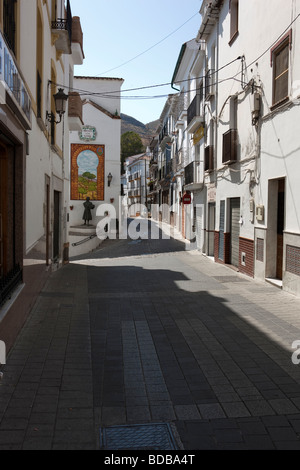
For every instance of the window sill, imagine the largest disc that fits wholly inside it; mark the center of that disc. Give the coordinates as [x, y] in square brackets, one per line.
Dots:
[233, 38]
[279, 103]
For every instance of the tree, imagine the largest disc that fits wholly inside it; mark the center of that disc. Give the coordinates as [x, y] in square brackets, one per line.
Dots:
[131, 144]
[89, 175]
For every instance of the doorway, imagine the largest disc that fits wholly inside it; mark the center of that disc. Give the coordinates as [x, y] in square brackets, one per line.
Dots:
[211, 228]
[3, 211]
[276, 225]
[280, 227]
[56, 225]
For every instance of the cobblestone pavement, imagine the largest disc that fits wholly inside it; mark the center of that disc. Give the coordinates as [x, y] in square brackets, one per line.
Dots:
[145, 332]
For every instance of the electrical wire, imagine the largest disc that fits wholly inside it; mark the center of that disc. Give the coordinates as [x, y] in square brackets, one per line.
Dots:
[150, 48]
[108, 94]
[116, 94]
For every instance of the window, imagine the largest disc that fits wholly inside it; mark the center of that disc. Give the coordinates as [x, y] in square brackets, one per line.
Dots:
[234, 20]
[280, 63]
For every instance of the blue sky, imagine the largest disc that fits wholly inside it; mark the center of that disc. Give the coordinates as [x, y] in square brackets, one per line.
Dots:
[116, 31]
[87, 161]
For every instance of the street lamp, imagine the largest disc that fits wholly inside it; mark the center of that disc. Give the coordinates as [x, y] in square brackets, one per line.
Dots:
[109, 178]
[60, 99]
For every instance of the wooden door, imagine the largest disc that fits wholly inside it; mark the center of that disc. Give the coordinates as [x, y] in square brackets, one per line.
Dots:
[3, 211]
[56, 226]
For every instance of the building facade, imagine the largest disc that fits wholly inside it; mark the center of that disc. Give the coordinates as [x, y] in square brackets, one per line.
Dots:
[242, 107]
[94, 167]
[40, 42]
[137, 184]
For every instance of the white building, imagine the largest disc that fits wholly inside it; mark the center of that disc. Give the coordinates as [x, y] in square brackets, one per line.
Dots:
[94, 168]
[251, 145]
[189, 153]
[40, 42]
[137, 184]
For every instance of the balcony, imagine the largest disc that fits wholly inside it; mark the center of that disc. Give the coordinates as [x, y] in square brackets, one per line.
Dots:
[209, 158]
[192, 177]
[169, 168]
[75, 112]
[230, 147]
[194, 117]
[62, 31]
[13, 91]
[77, 41]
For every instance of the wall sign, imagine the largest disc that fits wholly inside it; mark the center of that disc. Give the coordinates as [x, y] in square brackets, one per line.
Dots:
[88, 133]
[187, 199]
[198, 135]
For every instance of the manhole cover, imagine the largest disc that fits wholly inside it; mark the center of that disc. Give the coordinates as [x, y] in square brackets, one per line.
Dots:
[138, 437]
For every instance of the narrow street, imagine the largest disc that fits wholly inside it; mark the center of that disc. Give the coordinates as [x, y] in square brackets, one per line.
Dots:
[145, 345]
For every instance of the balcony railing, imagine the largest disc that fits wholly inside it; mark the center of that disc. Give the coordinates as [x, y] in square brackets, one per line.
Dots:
[63, 28]
[16, 92]
[194, 114]
[192, 173]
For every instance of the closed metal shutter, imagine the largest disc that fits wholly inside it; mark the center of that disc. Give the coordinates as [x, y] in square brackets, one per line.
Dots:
[221, 230]
[234, 231]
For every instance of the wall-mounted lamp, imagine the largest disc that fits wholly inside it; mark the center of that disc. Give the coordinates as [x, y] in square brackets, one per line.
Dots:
[109, 178]
[60, 99]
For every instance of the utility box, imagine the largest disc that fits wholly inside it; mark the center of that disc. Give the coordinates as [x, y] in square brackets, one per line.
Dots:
[260, 213]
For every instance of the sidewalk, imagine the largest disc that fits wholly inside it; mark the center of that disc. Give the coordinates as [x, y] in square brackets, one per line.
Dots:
[146, 333]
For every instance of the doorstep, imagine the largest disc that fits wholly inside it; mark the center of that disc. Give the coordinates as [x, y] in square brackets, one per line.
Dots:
[274, 282]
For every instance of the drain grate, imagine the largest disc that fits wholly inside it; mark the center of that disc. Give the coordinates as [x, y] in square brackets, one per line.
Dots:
[138, 437]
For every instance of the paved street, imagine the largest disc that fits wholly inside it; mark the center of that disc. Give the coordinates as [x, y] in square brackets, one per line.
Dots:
[144, 332]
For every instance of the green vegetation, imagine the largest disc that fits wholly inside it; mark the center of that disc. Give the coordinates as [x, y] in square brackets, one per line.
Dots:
[131, 144]
[87, 186]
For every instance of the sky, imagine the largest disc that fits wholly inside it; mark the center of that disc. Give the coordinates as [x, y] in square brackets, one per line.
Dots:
[138, 41]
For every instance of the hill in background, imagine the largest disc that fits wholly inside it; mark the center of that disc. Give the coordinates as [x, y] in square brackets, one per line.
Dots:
[145, 131]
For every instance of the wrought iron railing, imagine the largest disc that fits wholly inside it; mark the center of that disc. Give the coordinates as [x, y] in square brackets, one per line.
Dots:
[64, 24]
[191, 173]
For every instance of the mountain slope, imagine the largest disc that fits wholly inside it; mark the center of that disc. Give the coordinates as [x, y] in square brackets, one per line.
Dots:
[145, 131]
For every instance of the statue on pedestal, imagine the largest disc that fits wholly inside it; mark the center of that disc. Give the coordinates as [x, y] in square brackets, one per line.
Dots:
[87, 215]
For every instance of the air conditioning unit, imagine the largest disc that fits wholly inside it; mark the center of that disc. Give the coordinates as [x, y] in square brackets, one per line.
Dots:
[210, 87]
[260, 213]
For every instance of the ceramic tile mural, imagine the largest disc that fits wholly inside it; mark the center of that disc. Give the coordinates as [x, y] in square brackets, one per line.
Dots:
[87, 171]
